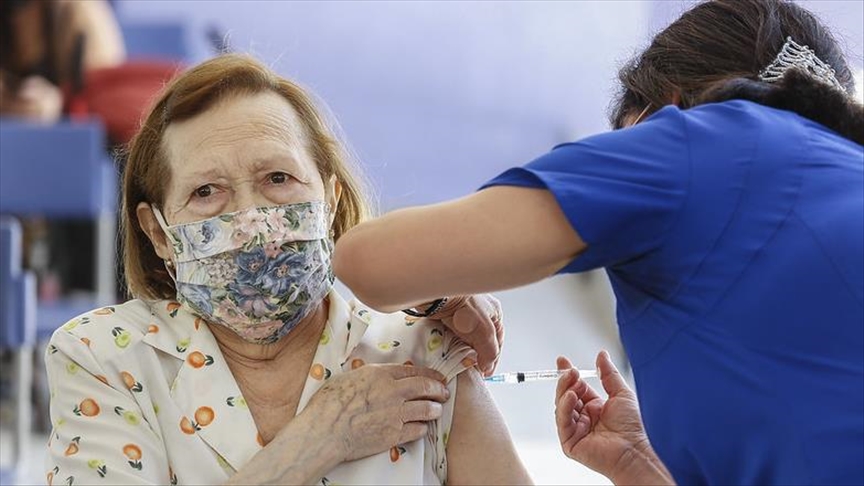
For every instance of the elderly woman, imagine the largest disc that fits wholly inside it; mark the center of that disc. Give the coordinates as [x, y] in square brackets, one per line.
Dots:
[238, 363]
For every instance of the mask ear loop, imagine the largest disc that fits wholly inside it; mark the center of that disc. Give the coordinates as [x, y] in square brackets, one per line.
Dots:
[169, 264]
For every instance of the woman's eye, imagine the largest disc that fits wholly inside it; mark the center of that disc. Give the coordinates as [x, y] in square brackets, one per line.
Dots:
[204, 191]
[278, 178]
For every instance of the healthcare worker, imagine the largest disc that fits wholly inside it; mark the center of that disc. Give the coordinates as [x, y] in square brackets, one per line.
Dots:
[727, 207]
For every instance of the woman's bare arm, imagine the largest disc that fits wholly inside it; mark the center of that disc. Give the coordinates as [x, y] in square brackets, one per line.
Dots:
[104, 46]
[495, 239]
[480, 450]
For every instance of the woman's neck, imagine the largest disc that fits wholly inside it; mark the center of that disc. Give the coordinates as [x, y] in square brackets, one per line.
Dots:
[272, 377]
[300, 343]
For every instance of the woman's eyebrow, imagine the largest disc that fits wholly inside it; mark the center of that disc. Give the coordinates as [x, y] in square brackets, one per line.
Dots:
[279, 161]
[201, 175]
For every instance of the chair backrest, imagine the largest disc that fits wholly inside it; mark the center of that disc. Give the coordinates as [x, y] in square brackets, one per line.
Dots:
[60, 170]
[17, 290]
[156, 40]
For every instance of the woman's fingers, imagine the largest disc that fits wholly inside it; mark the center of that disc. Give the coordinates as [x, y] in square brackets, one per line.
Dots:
[422, 388]
[412, 431]
[420, 411]
[399, 372]
[612, 380]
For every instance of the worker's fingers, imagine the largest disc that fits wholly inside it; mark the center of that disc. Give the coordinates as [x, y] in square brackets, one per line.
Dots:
[566, 380]
[564, 411]
[612, 380]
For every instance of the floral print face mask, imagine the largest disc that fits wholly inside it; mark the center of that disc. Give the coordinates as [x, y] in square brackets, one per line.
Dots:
[258, 271]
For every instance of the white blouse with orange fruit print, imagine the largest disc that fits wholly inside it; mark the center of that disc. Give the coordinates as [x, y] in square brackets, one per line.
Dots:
[140, 394]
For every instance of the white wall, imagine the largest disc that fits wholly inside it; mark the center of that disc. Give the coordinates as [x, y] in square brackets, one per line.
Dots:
[436, 97]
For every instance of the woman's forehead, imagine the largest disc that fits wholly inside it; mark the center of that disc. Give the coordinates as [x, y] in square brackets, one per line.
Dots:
[243, 124]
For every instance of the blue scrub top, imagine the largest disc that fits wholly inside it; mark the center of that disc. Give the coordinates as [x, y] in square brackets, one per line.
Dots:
[733, 235]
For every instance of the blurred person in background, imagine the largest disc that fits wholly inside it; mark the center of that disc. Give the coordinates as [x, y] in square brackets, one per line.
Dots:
[259, 372]
[727, 207]
[42, 45]
[47, 47]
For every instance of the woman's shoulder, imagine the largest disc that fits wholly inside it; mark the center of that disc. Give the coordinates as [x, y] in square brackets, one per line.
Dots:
[400, 338]
[110, 329]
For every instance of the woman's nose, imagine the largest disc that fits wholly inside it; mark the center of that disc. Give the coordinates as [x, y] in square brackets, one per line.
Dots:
[246, 197]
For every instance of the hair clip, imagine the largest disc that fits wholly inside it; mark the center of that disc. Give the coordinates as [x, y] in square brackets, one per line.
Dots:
[794, 55]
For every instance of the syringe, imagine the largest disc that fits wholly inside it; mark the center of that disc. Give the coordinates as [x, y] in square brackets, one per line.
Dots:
[540, 375]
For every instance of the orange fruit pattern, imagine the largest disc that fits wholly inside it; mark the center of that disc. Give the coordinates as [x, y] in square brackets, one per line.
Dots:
[88, 408]
[132, 451]
[396, 452]
[105, 311]
[197, 359]
[128, 379]
[204, 416]
[319, 372]
[72, 448]
[50, 476]
[172, 308]
[186, 426]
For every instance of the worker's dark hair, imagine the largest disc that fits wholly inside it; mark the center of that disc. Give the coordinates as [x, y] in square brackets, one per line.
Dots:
[715, 51]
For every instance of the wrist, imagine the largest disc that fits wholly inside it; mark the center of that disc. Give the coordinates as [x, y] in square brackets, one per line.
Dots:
[639, 464]
[314, 452]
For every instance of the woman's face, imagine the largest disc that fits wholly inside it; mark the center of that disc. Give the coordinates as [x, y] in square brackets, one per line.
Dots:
[247, 151]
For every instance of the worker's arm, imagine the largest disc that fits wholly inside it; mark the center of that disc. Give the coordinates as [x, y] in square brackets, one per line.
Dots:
[495, 239]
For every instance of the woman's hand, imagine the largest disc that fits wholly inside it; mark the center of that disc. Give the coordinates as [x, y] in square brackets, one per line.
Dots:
[605, 435]
[353, 415]
[376, 407]
[36, 99]
[477, 320]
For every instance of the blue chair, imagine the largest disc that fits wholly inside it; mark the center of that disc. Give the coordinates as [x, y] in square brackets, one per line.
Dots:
[17, 334]
[156, 40]
[62, 171]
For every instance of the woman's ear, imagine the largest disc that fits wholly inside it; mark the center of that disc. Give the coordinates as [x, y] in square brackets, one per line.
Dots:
[333, 194]
[150, 226]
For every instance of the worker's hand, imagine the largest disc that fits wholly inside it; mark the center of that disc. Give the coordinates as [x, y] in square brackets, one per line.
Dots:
[477, 320]
[605, 435]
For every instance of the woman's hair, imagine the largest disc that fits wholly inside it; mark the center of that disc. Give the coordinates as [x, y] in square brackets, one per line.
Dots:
[715, 52]
[192, 93]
